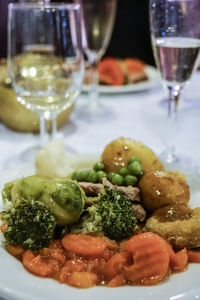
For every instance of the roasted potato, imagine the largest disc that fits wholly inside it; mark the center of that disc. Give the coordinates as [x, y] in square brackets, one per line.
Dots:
[117, 153]
[161, 188]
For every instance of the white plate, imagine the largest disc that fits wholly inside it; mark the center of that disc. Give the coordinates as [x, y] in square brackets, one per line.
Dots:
[153, 80]
[18, 284]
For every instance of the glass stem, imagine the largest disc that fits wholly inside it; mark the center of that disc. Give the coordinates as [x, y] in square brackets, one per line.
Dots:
[94, 92]
[53, 127]
[174, 95]
[43, 130]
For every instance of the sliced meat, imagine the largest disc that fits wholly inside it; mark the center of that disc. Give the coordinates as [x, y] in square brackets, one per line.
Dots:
[93, 189]
[133, 193]
[139, 212]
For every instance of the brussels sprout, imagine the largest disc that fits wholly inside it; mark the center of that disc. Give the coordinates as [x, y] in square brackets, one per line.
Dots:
[63, 197]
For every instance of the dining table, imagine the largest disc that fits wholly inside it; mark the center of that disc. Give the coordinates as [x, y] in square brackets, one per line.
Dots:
[140, 115]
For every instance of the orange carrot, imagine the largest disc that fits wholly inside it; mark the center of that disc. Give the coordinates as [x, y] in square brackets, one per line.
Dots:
[133, 65]
[110, 71]
[172, 256]
[83, 244]
[180, 264]
[71, 266]
[35, 264]
[3, 227]
[150, 259]
[15, 250]
[193, 256]
[115, 264]
[82, 279]
[58, 254]
[118, 280]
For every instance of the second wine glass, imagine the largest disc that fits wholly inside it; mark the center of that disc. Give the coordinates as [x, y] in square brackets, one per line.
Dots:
[175, 32]
[98, 23]
[45, 58]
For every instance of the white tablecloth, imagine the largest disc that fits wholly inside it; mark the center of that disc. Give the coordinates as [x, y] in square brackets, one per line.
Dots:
[141, 116]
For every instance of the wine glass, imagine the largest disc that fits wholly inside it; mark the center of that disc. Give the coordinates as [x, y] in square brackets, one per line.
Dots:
[175, 34]
[45, 58]
[98, 23]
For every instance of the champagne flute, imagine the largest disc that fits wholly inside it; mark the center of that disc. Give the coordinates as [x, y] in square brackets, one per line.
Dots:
[45, 58]
[175, 33]
[98, 23]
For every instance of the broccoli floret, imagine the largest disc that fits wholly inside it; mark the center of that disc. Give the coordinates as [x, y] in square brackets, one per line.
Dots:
[91, 222]
[29, 224]
[118, 219]
[111, 216]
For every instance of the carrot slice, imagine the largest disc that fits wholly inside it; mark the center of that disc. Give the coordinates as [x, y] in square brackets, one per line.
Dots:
[133, 65]
[82, 279]
[115, 264]
[35, 264]
[83, 244]
[118, 280]
[181, 262]
[16, 251]
[3, 227]
[193, 256]
[110, 71]
[150, 259]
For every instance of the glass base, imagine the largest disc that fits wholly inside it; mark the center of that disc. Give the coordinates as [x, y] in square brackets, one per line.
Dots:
[90, 113]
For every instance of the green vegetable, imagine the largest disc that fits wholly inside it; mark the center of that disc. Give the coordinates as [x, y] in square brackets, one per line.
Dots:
[135, 168]
[99, 166]
[130, 180]
[110, 176]
[117, 179]
[92, 176]
[81, 175]
[123, 172]
[133, 159]
[64, 198]
[29, 224]
[100, 176]
[111, 216]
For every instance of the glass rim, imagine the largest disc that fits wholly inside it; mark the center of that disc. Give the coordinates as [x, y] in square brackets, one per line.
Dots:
[69, 6]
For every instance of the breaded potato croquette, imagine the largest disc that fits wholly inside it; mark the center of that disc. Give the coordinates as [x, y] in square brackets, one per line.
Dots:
[178, 224]
[163, 187]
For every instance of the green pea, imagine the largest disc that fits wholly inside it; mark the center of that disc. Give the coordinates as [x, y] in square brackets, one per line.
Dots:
[135, 168]
[100, 176]
[110, 176]
[99, 166]
[133, 159]
[92, 176]
[74, 175]
[117, 179]
[130, 180]
[82, 175]
[123, 172]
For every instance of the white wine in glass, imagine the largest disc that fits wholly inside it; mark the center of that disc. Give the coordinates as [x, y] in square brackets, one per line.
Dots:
[175, 33]
[45, 57]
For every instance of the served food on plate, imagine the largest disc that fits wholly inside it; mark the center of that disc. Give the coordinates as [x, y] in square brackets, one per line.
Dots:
[117, 72]
[120, 220]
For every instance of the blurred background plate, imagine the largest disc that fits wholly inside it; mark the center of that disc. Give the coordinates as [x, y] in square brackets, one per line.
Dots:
[153, 80]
